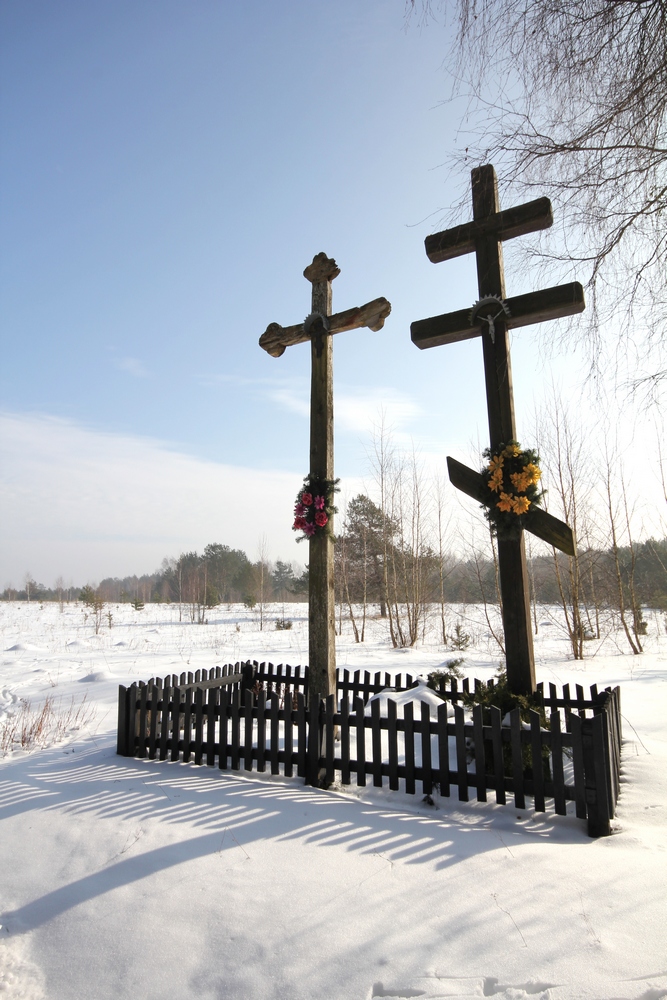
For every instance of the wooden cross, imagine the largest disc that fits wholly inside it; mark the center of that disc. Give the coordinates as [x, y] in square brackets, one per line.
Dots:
[492, 319]
[318, 329]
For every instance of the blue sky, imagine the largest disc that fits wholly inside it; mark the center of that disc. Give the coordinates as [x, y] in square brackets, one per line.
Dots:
[167, 171]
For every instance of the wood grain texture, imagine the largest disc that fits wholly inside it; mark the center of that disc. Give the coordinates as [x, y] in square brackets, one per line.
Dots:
[277, 338]
[321, 597]
[518, 221]
[533, 307]
[543, 525]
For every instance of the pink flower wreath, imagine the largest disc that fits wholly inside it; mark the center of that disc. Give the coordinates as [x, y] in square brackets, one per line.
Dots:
[314, 506]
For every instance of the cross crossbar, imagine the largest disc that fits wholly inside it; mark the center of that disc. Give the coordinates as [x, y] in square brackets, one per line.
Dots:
[523, 310]
[505, 225]
[491, 319]
[542, 525]
[277, 338]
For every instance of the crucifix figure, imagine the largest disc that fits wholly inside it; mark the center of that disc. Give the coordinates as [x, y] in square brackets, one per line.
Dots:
[318, 328]
[491, 318]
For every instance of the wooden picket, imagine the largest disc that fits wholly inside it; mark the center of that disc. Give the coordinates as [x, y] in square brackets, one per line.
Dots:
[254, 716]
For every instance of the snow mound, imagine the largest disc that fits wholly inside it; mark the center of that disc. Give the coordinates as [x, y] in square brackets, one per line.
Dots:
[415, 694]
[95, 676]
[22, 647]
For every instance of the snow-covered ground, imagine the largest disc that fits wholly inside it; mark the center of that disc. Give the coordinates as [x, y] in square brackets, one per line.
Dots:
[137, 879]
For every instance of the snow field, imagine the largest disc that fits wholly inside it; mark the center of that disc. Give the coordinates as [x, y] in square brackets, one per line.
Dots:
[125, 878]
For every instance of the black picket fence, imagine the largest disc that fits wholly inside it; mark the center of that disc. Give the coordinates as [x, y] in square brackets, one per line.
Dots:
[252, 715]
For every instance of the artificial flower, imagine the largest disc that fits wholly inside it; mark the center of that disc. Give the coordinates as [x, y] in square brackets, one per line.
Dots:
[521, 505]
[505, 502]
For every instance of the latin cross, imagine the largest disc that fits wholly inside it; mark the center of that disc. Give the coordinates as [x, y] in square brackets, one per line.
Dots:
[491, 319]
[318, 328]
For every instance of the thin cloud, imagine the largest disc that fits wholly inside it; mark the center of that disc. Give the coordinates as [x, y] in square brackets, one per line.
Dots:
[88, 504]
[133, 366]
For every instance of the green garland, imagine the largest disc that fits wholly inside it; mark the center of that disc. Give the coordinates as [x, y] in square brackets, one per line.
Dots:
[314, 507]
[512, 477]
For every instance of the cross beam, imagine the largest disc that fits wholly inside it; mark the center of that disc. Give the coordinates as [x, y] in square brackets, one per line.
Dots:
[318, 328]
[484, 235]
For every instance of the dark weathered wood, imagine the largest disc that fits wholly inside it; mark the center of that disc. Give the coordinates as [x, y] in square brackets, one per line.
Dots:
[537, 761]
[376, 743]
[223, 729]
[543, 525]
[498, 762]
[361, 740]
[187, 723]
[247, 731]
[602, 775]
[461, 754]
[301, 729]
[261, 731]
[175, 722]
[235, 713]
[275, 730]
[211, 706]
[578, 767]
[427, 771]
[392, 740]
[321, 599]
[329, 745]
[409, 737]
[318, 329]
[345, 741]
[199, 725]
[143, 713]
[524, 310]
[557, 775]
[484, 235]
[443, 750]
[164, 721]
[277, 338]
[518, 221]
[517, 759]
[288, 737]
[122, 734]
[480, 757]
[314, 731]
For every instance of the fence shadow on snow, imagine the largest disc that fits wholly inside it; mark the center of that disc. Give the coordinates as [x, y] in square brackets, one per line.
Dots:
[256, 716]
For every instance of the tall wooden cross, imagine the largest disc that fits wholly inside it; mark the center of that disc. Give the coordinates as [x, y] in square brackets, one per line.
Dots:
[318, 328]
[491, 318]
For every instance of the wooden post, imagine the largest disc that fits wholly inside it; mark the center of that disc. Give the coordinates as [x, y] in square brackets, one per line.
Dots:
[512, 568]
[319, 329]
[321, 598]
[484, 235]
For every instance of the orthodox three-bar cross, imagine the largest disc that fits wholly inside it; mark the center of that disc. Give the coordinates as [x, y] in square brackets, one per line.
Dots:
[491, 318]
[318, 328]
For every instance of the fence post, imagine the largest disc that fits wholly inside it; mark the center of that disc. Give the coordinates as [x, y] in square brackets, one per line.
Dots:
[315, 731]
[248, 681]
[122, 739]
[595, 776]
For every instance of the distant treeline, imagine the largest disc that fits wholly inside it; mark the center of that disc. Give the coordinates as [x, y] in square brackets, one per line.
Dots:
[219, 575]
[371, 569]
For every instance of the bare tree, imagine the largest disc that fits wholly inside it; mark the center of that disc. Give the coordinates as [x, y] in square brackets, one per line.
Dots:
[635, 646]
[60, 587]
[570, 98]
[262, 576]
[565, 464]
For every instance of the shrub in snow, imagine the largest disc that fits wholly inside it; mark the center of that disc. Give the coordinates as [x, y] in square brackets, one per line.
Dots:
[500, 696]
